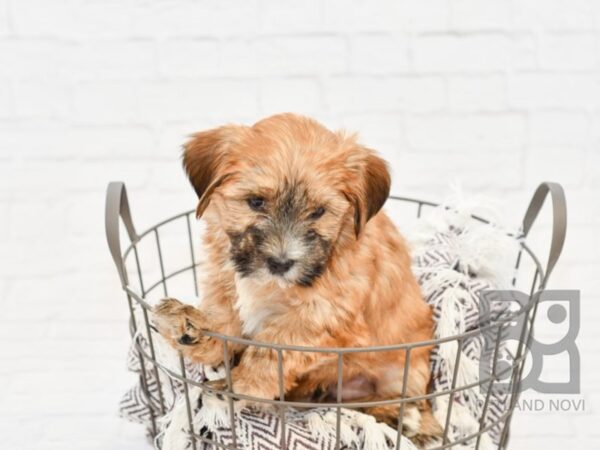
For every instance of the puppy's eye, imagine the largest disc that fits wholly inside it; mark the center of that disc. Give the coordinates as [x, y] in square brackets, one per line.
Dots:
[256, 203]
[317, 213]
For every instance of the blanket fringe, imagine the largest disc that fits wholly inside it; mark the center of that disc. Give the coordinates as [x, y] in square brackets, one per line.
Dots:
[174, 424]
[464, 424]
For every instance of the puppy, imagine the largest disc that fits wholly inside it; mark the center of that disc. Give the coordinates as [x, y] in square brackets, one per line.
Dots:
[300, 253]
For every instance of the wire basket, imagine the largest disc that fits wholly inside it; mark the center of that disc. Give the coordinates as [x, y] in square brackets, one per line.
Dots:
[160, 281]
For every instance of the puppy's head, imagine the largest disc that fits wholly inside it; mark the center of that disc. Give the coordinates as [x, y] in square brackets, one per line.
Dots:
[287, 192]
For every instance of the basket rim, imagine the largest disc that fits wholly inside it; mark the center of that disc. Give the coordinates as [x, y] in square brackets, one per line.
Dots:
[141, 298]
[309, 404]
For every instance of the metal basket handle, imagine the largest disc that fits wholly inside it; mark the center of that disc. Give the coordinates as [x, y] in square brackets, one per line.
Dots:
[117, 206]
[559, 220]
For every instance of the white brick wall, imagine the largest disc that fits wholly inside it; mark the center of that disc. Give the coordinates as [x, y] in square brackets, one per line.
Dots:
[499, 95]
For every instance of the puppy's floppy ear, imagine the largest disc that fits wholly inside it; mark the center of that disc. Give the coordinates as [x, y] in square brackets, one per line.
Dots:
[372, 189]
[205, 160]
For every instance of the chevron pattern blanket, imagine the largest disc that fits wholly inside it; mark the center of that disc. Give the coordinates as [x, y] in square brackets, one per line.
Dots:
[455, 261]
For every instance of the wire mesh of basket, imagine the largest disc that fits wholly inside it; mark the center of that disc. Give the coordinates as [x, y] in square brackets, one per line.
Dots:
[140, 284]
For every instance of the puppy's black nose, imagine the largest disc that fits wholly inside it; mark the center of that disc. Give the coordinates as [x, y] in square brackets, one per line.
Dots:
[279, 266]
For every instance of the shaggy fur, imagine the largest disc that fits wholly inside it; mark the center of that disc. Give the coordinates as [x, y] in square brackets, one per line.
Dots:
[300, 253]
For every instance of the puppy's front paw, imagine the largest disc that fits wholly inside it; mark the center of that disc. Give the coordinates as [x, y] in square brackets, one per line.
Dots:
[183, 325]
[173, 320]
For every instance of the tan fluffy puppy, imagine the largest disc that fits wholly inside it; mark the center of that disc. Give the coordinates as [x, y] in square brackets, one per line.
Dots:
[299, 253]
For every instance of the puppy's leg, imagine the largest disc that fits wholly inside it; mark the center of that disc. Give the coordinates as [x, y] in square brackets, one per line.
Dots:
[419, 375]
[418, 423]
[257, 374]
[183, 326]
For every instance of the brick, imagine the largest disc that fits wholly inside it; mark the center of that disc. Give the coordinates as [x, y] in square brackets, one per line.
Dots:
[475, 170]
[569, 52]
[79, 214]
[593, 162]
[190, 18]
[171, 181]
[198, 99]
[489, 133]
[584, 202]
[34, 59]
[102, 19]
[237, 58]
[559, 129]
[33, 139]
[375, 127]
[361, 15]
[60, 403]
[5, 27]
[95, 430]
[301, 55]
[66, 19]
[83, 176]
[596, 128]
[469, 53]
[289, 16]
[100, 142]
[540, 90]
[4, 209]
[384, 94]
[105, 102]
[584, 233]
[477, 93]
[547, 425]
[595, 11]
[39, 18]
[46, 99]
[546, 442]
[379, 54]
[99, 59]
[524, 51]
[475, 15]
[35, 263]
[553, 15]
[426, 15]
[171, 137]
[13, 327]
[291, 94]
[189, 57]
[6, 99]
[23, 223]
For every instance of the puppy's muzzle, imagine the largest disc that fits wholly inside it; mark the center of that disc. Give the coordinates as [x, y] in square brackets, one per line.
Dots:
[279, 266]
